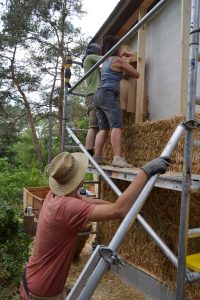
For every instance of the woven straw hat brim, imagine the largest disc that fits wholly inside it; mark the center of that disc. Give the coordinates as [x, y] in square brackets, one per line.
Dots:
[77, 175]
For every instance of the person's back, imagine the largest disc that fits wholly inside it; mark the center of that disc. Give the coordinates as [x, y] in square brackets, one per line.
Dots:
[93, 80]
[110, 79]
[61, 219]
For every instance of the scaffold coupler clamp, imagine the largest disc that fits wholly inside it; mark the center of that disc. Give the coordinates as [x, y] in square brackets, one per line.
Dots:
[110, 256]
[192, 124]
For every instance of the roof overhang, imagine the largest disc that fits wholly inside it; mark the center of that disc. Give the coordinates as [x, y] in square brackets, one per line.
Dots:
[123, 18]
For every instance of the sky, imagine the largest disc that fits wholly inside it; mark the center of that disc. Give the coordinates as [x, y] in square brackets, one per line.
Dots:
[97, 13]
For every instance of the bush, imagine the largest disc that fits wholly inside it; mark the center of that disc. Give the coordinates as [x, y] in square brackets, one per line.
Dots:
[14, 243]
[14, 179]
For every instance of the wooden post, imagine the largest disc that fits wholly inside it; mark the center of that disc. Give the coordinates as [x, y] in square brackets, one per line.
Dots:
[29, 221]
[140, 68]
[29, 224]
[185, 28]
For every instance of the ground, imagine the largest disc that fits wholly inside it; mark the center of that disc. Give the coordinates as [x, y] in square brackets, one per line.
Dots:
[110, 286]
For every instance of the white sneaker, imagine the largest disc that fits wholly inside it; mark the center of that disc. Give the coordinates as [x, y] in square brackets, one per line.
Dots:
[120, 162]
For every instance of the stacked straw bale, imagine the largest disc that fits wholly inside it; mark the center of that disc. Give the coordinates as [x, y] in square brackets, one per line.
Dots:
[141, 143]
[145, 141]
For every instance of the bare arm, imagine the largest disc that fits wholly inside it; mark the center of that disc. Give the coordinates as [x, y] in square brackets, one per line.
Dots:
[95, 201]
[123, 203]
[120, 65]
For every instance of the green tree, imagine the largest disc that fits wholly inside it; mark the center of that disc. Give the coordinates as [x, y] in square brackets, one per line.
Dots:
[14, 243]
[35, 37]
[11, 123]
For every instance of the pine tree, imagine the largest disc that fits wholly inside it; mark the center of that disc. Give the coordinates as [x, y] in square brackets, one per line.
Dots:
[35, 36]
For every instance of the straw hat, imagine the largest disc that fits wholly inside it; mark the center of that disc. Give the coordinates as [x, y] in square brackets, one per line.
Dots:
[66, 172]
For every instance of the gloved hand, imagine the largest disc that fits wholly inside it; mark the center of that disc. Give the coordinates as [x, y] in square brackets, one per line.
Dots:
[155, 166]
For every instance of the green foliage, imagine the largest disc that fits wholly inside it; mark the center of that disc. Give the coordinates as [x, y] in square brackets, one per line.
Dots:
[30, 83]
[83, 123]
[9, 225]
[36, 34]
[11, 122]
[24, 151]
[14, 243]
[14, 253]
[14, 249]
[14, 179]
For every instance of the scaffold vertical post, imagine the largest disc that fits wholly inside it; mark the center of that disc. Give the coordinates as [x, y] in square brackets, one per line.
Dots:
[188, 149]
[67, 76]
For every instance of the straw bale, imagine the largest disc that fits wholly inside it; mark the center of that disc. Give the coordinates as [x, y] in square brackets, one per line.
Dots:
[143, 142]
[128, 54]
[110, 286]
[161, 211]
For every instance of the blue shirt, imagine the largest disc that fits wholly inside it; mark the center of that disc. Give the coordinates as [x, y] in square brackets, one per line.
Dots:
[110, 79]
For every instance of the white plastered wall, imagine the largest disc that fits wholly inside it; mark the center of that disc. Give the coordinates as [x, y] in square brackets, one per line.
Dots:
[163, 62]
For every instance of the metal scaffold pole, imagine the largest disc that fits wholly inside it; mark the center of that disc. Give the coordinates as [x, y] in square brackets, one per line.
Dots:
[98, 264]
[67, 75]
[188, 149]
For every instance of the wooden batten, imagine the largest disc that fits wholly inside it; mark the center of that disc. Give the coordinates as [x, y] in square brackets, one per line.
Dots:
[128, 24]
[140, 68]
[185, 27]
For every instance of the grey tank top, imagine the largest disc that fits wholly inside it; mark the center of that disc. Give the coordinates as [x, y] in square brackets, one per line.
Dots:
[110, 79]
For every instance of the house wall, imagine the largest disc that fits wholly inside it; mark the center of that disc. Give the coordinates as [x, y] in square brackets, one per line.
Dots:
[163, 62]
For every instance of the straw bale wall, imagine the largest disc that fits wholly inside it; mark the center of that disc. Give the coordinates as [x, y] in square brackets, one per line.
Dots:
[145, 141]
[141, 143]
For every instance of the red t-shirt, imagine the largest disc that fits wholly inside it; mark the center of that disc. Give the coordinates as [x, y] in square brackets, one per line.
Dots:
[60, 221]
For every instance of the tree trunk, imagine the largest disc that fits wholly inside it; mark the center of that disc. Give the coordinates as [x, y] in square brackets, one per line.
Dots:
[33, 130]
[50, 141]
[28, 110]
[62, 54]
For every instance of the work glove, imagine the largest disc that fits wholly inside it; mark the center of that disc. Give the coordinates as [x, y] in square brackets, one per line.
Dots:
[155, 166]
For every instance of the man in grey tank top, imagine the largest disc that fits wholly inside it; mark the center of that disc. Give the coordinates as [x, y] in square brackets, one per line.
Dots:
[107, 104]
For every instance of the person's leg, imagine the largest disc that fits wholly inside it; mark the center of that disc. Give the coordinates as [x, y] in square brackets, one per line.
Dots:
[116, 141]
[93, 125]
[114, 115]
[90, 139]
[103, 127]
[100, 141]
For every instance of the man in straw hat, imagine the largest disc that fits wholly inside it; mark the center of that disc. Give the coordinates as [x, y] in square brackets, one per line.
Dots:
[63, 214]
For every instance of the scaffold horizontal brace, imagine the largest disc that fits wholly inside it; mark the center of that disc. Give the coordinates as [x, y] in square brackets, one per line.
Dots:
[169, 180]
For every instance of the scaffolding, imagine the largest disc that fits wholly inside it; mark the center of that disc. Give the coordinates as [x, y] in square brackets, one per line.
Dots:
[102, 257]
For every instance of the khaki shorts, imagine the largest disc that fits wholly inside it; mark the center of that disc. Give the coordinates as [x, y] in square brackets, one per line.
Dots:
[93, 122]
[61, 296]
